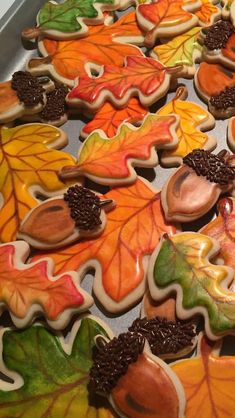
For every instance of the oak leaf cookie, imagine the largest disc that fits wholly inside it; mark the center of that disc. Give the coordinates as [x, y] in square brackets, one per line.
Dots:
[29, 165]
[180, 265]
[103, 45]
[61, 220]
[110, 161]
[193, 189]
[210, 378]
[120, 255]
[40, 363]
[136, 382]
[30, 290]
[143, 77]
[215, 84]
[69, 19]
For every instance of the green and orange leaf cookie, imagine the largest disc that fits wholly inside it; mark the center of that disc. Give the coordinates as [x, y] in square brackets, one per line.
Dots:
[119, 256]
[143, 77]
[111, 161]
[193, 121]
[29, 290]
[181, 265]
[208, 385]
[50, 375]
[103, 45]
[29, 164]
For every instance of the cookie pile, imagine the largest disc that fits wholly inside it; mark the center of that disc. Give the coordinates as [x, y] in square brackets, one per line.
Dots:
[119, 66]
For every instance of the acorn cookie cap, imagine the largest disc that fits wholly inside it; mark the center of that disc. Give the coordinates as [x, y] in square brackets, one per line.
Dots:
[28, 88]
[217, 35]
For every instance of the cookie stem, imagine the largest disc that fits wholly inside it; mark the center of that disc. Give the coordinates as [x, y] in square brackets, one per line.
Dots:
[31, 33]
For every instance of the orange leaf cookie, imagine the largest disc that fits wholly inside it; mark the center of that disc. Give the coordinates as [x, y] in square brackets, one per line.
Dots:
[109, 118]
[103, 45]
[29, 164]
[208, 12]
[193, 120]
[162, 18]
[29, 290]
[207, 380]
[119, 255]
[143, 77]
[110, 161]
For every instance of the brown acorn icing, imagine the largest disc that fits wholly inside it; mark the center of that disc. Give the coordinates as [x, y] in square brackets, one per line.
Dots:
[56, 106]
[85, 207]
[224, 99]
[164, 336]
[113, 359]
[28, 88]
[211, 166]
[218, 34]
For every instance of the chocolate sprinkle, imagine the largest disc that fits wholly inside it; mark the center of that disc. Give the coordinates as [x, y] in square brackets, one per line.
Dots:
[28, 88]
[113, 359]
[224, 99]
[85, 207]
[211, 166]
[218, 35]
[56, 106]
[164, 337]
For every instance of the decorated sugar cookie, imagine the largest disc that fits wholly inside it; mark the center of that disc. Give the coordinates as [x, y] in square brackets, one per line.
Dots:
[210, 379]
[222, 230]
[30, 290]
[180, 264]
[215, 84]
[109, 118]
[68, 20]
[50, 373]
[193, 189]
[183, 50]
[194, 120]
[29, 165]
[120, 255]
[218, 43]
[111, 161]
[23, 95]
[143, 77]
[226, 8]
[208, 13]
[103, 45]
[164, 309]
[166, 17]
[64, 219]
[137, 383]
[231, 134]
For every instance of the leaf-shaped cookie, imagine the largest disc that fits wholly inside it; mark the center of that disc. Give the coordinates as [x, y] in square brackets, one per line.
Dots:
[119, 256]
[162, 18]
[109, 118]
[50, 375]
[222, 229]
[67, 20]
[181, 264]
[28, 164]
[29, 290]
[66, 60]
[208, 384]
[110, 161]
[208, 12]
[142, 76]
[181, 50]
[193, 120]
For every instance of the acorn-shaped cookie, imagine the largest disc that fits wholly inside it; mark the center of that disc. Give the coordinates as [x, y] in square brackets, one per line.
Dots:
[196, 186]
[61, 220]
[137, 383]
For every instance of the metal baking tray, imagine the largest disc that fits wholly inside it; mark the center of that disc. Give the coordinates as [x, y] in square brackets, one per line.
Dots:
[13, 57]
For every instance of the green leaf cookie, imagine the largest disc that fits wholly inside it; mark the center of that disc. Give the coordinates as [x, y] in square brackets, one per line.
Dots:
[55, 373]
[181, 264]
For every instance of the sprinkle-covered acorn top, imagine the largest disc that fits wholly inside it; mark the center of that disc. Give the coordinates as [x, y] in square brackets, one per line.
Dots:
[114, 357]
[85, 207]
[224, 99]
[218, 34]
[164, 337]
[213, 167]
[28, 88]
[56, 106]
